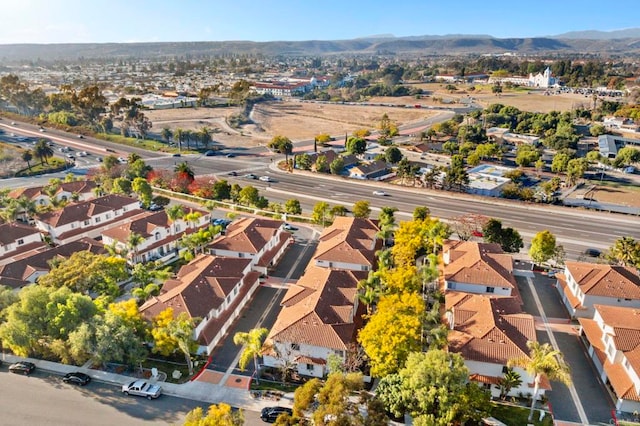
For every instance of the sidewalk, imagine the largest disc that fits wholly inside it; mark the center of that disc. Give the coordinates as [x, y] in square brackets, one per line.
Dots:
[195, 390]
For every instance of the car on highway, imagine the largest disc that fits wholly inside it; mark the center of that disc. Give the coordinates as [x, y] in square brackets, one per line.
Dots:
[22, 367]
[380, 193]
[265, 179]
[250, 176]
[13, 123]
[289, 227]
[76, 378]
[177, 154]
[230, 155]
[82, 154]
[271, 414]
[232, 174]
[122, 160]
[210, 153]
[80, 136]
[142, 388]
[591, 252]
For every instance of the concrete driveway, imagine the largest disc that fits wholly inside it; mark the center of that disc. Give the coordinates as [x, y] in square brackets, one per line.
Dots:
[593, 396]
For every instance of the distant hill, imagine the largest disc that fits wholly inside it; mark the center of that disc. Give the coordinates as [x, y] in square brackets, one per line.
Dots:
[380, 44]
[600, 35]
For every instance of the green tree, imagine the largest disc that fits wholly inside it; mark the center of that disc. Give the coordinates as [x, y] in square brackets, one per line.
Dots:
[281, 144]
[27, 156]
[184, 170]
[217, 415]
[43, 151]
[172, 333]
[321, 164]
[543, 360]
[560, 162]
[252, 346]
[509, 239]
[421, 213]
[336, 166]
[361, 209]
[625, 251]
[121, 185]
[333, 399]
[292, 206]
[526, 155]
[392, 332]
[144, 191]
[248, 196]
[321, 214]
[543, 247]
[166, 134]
[510, 380]
[303, 161]
[393, 155]
[356, 145]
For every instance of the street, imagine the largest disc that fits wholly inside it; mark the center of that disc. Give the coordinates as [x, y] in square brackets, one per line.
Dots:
[43, 399]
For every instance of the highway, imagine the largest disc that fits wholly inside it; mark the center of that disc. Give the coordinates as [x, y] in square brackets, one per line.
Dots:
[575, 229]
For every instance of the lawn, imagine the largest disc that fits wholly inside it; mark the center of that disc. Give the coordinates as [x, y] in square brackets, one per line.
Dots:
[517, 416]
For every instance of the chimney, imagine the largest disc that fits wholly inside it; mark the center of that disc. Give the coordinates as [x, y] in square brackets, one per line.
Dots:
[451, 318]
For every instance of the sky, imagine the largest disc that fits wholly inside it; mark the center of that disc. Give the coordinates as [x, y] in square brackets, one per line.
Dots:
[126, 21]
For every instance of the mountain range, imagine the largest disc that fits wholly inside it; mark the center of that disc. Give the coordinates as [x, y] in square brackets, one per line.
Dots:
[619, 42]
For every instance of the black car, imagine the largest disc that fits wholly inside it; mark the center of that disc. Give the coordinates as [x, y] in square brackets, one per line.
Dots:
[210, 153]
[591, 252]
[22, 367]
[270, 414]
[76, 378]
[250, 176]
[232, 174]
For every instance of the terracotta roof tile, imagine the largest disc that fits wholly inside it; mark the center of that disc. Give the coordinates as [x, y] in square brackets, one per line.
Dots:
[349, 240]
[319, 309]
[488, 328]
[11, 232]
[479, 263]
[76, 212]
[247, 235]
[605, 280]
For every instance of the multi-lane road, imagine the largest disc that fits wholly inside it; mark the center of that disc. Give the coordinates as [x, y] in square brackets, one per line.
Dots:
[576, 229]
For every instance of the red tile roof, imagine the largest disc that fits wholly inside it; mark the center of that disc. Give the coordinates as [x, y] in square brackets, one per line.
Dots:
[11, 232]
[488, 328]
[605, 280]
[247, 235]
[77, 212]
[319, 309]
[199, 287]
[349, 240]
[478, 263]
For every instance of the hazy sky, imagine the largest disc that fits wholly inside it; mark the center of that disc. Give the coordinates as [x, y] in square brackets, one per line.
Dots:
[86, 21]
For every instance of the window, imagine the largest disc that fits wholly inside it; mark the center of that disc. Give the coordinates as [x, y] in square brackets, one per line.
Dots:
[235, 291]
[177, 228]
[505, 369]
[108, 216]
[87, 222]
[157, 236]
[20, 242]
[310, 367]
[295, 347]
[98, 219]
[340, 353]
[490, 289]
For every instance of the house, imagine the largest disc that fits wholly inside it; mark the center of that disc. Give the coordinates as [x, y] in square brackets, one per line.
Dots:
[609, 145]
[79, 190]
[504, 136]
[264, 241]
[583, 285]
[612, 337]
[211, 288]
[17, 238]
[319, 317]
[488, 331]
[86, 218]
[488, 180]
[349, 243]
[480, 268]
[374, 170]
[26, 270]
[160, 235]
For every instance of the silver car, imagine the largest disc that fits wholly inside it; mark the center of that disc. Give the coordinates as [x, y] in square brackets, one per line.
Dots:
[142, 388]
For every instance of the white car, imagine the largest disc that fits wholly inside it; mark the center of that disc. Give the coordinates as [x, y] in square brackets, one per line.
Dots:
[142, 388]
[380, 193]
[82, 154]
[122, 160]
[265, 179]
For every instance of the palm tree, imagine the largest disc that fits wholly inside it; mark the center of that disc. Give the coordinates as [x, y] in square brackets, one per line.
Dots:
[166, 134]
[133, 242]
[187, 134]
[252, 347]
[133, 157]
[175, 212]
[543, 360]
[205, 137]
[185, 170]
[27, 206]
[43, 151]
[178, 134]
[625, 251]
[510, 380]
[27, 156]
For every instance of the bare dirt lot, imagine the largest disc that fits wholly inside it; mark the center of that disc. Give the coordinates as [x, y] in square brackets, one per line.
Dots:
[296, 120]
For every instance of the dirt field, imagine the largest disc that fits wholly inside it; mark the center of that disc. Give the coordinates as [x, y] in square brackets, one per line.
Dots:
[296, 120]
[625, 196]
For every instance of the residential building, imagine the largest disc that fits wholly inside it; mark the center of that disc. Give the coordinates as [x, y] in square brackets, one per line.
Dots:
[211, 288]
[609, 145]
[373, 170]
[349, 243]
[263, 241]
[488, 332]
[160, 235]
[86, 218]
[27, 269]
[504, 136]
[612, 337]
[320, 316]
[79, 190]
[479, 268]
[583, 285]
[17, 238]
[488, 180]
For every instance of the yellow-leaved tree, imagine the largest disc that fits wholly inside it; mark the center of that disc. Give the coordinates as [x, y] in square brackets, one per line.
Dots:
[217, 415]
[174, 333]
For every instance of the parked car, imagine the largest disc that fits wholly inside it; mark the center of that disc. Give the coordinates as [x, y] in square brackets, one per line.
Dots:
[22, 367]
[221, 222]
[155, 207]
[380, 193]
[177, 155]
[76, 378]
[142, 388]
[270, 414]
[265, 179]
[289, 227]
